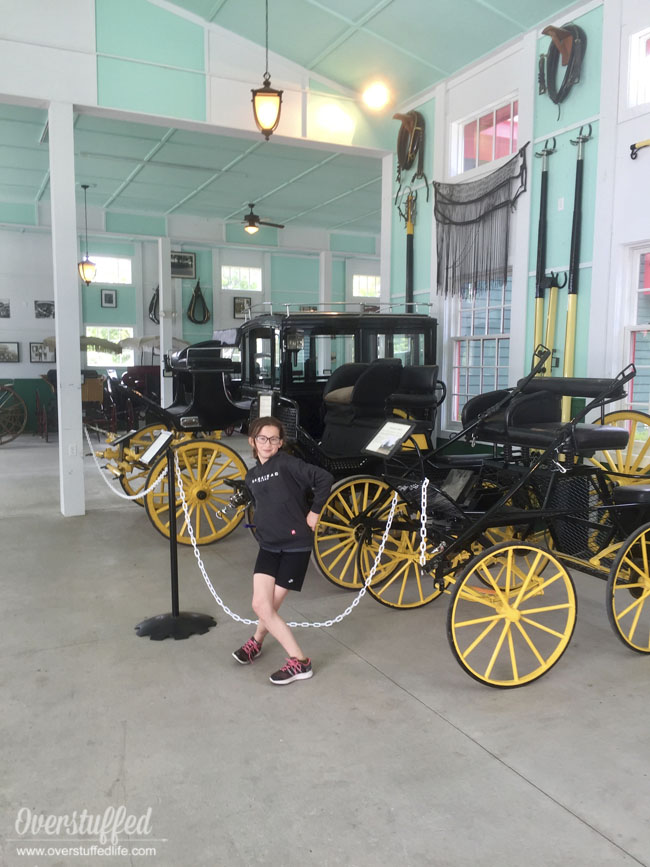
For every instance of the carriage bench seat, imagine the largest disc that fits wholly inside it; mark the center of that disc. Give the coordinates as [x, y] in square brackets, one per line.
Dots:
[632, 494]
[574, 386]
[583, 437]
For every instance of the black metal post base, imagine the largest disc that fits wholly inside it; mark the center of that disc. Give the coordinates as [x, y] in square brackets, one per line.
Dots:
[177, 626]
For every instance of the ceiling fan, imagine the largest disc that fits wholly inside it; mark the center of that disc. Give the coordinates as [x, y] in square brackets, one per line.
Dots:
[252, 222]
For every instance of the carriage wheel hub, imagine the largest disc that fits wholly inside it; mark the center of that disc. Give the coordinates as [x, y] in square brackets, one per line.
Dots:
[510, 613]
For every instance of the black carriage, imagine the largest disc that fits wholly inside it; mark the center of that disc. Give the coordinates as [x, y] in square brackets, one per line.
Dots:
[498, 532]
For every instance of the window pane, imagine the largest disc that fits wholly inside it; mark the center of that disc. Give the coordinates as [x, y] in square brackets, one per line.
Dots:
[114, 333]
[366, 285]
[465, 322]
[241, 278]
[504, 132]
[469, 146]
[112, 270]
[643, 308]
[503, 353]
[486, 138]
[494, 321]
[479, 321]
[474, 351]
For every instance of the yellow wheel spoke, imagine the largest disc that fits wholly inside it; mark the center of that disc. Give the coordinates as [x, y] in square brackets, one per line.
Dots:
[637, 602]
[542, 627]
[530, 644]
[513, 657]
[482, 636]
[497, 649]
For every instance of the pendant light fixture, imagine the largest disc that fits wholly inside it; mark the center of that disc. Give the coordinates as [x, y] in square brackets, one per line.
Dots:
[266, 99]
[87, 269]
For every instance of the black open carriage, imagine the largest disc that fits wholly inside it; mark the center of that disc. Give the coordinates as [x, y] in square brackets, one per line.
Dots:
[497, 532]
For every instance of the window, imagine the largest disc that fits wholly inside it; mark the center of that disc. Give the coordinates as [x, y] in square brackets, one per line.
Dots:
[365, 285]
[488, 137]
[114, 333]
[241, 278]
[639, 388]
[481, 345]
[639, 69]
[112, 270]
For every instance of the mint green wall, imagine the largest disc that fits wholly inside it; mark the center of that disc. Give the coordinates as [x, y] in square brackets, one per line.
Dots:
[582, 102]
[294, 280]
[340, 243]
[338, 280]
[16, 213]
[423, 221]
[132, 70]
[135, 224]
[265, 237]
[192, 332]
[95, 314]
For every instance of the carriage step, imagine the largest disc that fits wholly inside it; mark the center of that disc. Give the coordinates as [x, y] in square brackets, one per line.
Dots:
[637, 494]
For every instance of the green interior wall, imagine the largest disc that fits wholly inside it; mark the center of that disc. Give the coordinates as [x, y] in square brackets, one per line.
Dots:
[338, 280]
[132, 68]
[27, 389]
[294, 280]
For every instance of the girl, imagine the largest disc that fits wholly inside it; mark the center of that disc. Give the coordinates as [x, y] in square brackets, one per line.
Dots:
[284, 524]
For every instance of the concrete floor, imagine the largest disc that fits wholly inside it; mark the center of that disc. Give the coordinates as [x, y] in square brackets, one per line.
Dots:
[389, 755]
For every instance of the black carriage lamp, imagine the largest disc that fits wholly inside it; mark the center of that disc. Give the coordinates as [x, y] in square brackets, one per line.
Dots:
[266, 99]
[87, 269]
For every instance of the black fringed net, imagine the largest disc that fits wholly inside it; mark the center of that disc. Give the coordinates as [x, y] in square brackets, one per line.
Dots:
[472, 226]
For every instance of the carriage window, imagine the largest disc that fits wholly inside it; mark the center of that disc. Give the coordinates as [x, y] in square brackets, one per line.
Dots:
[264, 359]
[409, 348]
[481, 345]
[241, 278]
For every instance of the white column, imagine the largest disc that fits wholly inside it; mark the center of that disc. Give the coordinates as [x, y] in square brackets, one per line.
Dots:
[67, 285]
[166, 315]
[386, 227]
[325, 280]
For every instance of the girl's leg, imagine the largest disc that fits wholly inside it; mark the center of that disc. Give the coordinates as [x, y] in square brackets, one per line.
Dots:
[267, 598]
[279, 595]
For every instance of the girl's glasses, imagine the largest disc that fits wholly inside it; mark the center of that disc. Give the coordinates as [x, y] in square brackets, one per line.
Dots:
[260, 438]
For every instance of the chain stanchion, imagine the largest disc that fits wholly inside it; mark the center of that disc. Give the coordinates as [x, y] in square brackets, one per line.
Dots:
[114, 490]
[423, 523]
[292, 624]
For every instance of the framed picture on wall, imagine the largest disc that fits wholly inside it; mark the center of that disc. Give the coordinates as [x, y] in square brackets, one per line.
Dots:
[44, 309]
[9, 353]
[184, 265]
[240, 306]
[109, 297]
[5, 308]
[39, 353]
[308, 308]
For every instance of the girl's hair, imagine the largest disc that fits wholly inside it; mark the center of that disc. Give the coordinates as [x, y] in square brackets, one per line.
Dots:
[257, 424]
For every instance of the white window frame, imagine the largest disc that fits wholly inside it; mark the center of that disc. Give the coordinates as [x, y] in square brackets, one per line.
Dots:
[249, 268]
[110, 363]
[97, 259]
[452, 328]
[456, 150]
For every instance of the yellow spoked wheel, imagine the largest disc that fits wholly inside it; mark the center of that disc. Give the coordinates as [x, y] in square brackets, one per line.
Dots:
[205, 466]
[13, 414]
[624, 464]
[512, 614]
[400, 581]
[342, 522]
[132, 477]
[628, 591]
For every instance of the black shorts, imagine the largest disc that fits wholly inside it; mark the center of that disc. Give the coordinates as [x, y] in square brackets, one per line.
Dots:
[287, 567]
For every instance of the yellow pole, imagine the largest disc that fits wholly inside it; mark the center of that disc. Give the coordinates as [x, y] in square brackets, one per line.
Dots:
[551, 316]
[539, 318]
[569, 349]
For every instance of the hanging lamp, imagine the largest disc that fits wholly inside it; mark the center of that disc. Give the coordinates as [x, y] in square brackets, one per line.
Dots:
[87, 269]
[267, 101]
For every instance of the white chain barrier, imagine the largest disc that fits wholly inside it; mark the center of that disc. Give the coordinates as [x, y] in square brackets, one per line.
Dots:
[292, 624]
[114, 490]
[423, 524]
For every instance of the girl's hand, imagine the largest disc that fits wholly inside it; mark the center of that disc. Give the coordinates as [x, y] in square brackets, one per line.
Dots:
[312, 520]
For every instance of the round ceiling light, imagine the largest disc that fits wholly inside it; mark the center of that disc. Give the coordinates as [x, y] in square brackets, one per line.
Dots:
[376, 96]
